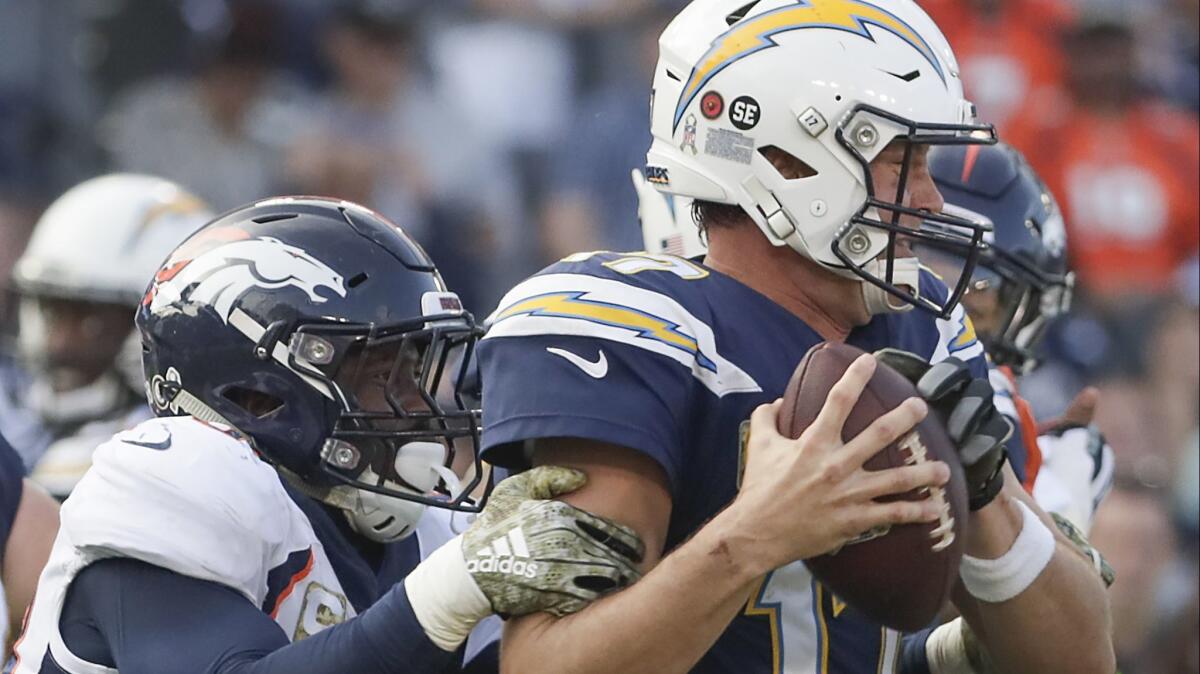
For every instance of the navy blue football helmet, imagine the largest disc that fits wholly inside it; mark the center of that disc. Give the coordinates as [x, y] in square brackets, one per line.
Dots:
[1025, 260]
[325, 334]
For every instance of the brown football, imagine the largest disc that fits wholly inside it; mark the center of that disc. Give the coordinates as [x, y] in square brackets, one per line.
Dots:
[899, 577]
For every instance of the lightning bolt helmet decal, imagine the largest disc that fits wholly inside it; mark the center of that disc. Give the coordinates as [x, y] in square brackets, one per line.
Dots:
[757, 33]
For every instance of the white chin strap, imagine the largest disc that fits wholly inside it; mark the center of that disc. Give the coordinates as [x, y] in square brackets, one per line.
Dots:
[383, 519]
[906, 272]
[387, 519]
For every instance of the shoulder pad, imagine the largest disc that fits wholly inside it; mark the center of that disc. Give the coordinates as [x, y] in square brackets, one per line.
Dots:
[188, 496]
[615, 297]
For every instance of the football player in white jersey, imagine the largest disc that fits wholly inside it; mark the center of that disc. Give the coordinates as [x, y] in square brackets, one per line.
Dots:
[28, 522]
[310, 373]
[802, 129]
[79, 281]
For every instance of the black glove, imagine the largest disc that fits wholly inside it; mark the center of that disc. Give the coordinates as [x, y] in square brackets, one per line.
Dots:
[964, 404]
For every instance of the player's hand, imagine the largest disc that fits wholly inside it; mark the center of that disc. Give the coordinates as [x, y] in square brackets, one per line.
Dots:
[1079, 413]
[965, 404]
[528, 553]
[809, 496]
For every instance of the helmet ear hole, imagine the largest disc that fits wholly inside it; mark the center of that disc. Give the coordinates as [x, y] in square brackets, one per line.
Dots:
[257, 403]
[788, 165]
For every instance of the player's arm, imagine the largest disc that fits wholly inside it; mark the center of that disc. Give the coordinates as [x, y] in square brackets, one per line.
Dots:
[138, 618]
[1060, 622]
[670, 618]
[1034, 600]
[28, 547]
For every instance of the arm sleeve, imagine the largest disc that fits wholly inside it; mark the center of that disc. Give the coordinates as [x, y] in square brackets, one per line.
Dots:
[12, 475]
[116, 615]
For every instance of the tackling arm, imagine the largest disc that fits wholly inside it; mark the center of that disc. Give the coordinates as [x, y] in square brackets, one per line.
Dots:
[117, 613]
[1059, 623]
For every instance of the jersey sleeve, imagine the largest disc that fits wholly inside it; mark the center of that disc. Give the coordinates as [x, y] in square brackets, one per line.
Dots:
[188, 497]
[12, 475]
[126, 615]
[599, 358]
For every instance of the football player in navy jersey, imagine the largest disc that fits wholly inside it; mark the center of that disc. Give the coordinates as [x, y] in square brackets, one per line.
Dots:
[302, 501]
[802, 131]
[28, 522]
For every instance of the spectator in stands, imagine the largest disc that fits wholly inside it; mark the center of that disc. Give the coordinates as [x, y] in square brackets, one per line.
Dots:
[383, 136]
[590, 203]
[1009, 51]
[1125, 167]
[220, 132]
[1133, 530]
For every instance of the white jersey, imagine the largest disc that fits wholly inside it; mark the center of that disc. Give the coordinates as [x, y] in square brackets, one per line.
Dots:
[193, 498]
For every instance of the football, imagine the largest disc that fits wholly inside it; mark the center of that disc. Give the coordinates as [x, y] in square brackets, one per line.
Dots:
[899, 576]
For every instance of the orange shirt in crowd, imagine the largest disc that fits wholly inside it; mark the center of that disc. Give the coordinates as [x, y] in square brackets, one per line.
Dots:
[1009, 60]
[1128, 188]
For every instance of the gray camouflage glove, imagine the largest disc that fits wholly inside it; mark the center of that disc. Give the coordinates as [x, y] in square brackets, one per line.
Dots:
[529, 554]
[523, 554]
[964, 404]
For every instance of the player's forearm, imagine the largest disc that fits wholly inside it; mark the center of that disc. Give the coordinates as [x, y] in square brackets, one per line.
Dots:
[1059, 623]
[663, 623]
[385, 639]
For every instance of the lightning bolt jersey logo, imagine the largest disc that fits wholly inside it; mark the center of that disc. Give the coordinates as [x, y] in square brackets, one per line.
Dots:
[758, 33]
[646, 325]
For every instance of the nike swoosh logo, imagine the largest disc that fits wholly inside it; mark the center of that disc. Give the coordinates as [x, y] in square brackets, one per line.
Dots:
[595, 370]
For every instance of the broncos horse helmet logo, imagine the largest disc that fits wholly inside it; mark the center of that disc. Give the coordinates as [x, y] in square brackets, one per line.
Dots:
[220, 276]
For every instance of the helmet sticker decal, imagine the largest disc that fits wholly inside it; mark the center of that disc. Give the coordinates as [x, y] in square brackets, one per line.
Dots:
[712, 105]
[729, 144]
[744, 113]
[689, 135]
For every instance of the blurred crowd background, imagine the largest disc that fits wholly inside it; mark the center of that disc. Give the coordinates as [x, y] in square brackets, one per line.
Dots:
[501, 133]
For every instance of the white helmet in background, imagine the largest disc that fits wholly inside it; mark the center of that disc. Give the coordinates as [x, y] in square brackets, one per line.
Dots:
[667, 224]
[831, 83]
[95, 249]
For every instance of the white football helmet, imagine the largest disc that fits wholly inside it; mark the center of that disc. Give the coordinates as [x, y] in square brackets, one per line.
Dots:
[100, 242]
[832, 83]
[667, 225]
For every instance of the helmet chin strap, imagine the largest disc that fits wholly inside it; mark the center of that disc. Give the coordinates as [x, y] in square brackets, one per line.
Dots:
[381, 518]
[906, 271]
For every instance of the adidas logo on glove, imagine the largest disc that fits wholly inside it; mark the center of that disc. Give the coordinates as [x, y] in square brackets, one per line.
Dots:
[504, 555]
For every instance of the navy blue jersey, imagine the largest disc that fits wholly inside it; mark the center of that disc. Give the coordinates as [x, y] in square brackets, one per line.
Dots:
[669, 358]
[12, 473]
